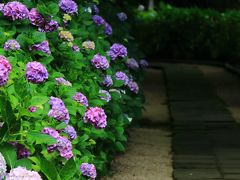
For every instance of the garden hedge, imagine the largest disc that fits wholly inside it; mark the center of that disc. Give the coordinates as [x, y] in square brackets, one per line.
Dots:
[68, 90]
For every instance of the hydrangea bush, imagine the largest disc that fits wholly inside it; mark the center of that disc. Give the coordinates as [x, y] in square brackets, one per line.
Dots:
[67, 91]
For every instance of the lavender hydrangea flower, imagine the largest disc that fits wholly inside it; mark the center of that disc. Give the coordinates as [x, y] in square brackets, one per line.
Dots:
[3, 167]
[58, 110]
[122, 77]
[44, 47]
[51, 132]
[75, 48]
[143, 63]
[88, 170]
[62, 81]
[36, 73]
[133, 86]
[100, 62]
[68, 6]
[36, 18]
[11, 45]
[105, 95]
[107, 81]
[5, 68]
[132, 64]
[122, 16]
[66, 36]
[98, 20]
[20, 173]
[71, 132]
[64, 146]
[15, 11]
[89, 45]
[117, 50]
[108, 29]
[1, 9]
[50, 26]
[96, 116]
[32, 109]
[81, 99]
[95, 9]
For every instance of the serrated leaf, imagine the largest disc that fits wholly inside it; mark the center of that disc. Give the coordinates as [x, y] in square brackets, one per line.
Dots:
[40, 138]
[49, 169]
[61, 126]
[9, 153]
[69, 170]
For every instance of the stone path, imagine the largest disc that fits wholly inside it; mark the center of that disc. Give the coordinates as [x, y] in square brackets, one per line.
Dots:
[206, 137]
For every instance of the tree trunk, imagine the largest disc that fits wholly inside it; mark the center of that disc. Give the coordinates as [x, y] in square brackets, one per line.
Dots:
[151, 4]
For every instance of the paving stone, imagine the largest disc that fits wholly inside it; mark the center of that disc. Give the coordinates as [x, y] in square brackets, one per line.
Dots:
[197, 173]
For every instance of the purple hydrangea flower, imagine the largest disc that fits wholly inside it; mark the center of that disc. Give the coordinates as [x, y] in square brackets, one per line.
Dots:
[64, 146]
[96, 116]
[105, 95]
[108, 29]
[88, 170]
[81, 99]
[98, 20]
[75, 48]
[51, 132]
[71, 132]
[122, 16]
[133, 86]
[100, 62]
[95, 9]
[58, 110]
[68, 6]
[122, 77]
[3, 166]
[143, 63]
[44, 47]
[15, 11]
[5, 68]
[1, 9]
[20, 173]
[117, 50]
[32, 109]
[132, 64]
[107, 81]
[62, 81]
[11, 45]
[36, 18]
[22, 152]
[50, 26]
[36, 72]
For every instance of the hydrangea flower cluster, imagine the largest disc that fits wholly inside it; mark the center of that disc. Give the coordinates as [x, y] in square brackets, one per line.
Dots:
[117, 50]
[21, 173]
[88, 170]
[71, 132]
[96, 116]
[122, 16]
[43, 47]
[68, 6]
[95, 9]
[89, 45]
[66, 36]
[32, 109]
[15, 11]
[100, 62]
[3, 167]
[49, 26]
[98, 20]
[105, 95]
[133, 86]
[62, 81]
[36, 18]
[108, 29]
[5, 68]
[122, 77]
[1, 6]
[107, 81]
[132, 64]
[11, 45]
[22, 151]
[58, 110]
[81, 99]
[143, 63]
[75, 48]
[35, 72]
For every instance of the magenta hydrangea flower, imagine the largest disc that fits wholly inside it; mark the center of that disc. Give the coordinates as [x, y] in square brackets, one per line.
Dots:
[21, 173]
[15, 11]
[122, 77]
[36, 18]
[68, 6]
[100, 62]
[105, 95]
[71, 132]
[117, 50]
[58, 110]
[122, 16]
[32, 109]
[50, 26]
[132, 64]
[36, 73]
[11, 45]
[64, 146]
[62, 81]
[133, 86]
[44, 47]
[98, 20]
[107, 81]
[108, 29]
[143, 63]
[81, 99]
[5, 68]
[88, 170]
[96, 116]
[75, 48]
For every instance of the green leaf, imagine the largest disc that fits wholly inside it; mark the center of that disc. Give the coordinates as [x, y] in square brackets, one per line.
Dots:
[39, 100]
[118, 83]
[120, 146]
[40, 138]
[9, 153]
[61, 126]
[24, 163]
[49, 169]
[69, 170]
[38, 37]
